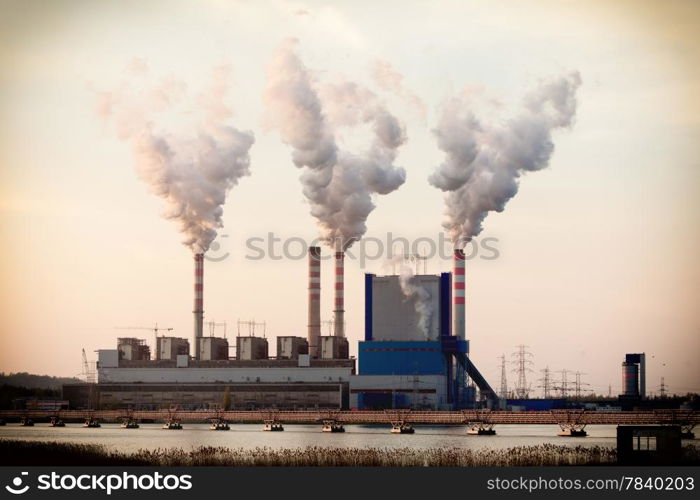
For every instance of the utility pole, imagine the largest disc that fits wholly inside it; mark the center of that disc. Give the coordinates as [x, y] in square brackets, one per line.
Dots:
[522, 363]
[609, 390]
[546, 383]
[504, 381]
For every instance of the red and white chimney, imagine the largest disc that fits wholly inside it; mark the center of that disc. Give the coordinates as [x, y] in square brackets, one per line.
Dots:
[458, 329]
[314, 301]
[198, 300]
[339, 311]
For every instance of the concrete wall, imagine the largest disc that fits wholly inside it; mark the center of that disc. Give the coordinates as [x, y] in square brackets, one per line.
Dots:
[251, 348]
[213, 348]
[107, 358]
[242, 396]
[202, 396]
[334, 347]
[394, 314]
[171, 347]
[291, 347]
[241, 375]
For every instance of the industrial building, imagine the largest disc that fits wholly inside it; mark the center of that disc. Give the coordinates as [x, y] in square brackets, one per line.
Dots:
[633, 381]
[311, 372]
[634, 376]
[415, 355]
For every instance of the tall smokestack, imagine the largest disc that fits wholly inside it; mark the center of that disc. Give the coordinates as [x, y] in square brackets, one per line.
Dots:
[339, 311]
[314, 301]
[198, 300]
[458, 295]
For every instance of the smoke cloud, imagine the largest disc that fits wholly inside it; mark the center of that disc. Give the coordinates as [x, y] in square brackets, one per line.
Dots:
[338, 185]
[413, 291]
[484, 161]
[387, 78]
[192, 173]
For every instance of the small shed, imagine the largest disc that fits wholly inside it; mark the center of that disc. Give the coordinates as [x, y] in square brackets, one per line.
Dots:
[648, 444]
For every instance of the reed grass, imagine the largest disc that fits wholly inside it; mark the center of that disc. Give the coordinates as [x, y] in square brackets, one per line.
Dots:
[17, 452]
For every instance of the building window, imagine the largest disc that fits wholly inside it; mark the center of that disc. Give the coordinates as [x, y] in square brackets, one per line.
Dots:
[643, 442]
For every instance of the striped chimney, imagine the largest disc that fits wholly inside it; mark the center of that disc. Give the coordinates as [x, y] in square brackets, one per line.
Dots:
[198, 300]
[314, 301]
[339, 311]
[458, 329]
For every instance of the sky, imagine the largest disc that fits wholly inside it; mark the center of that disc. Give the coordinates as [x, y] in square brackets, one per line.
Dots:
[597, 253]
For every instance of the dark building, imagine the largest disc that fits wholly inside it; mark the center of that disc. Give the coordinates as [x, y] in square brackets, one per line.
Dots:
[649, 445]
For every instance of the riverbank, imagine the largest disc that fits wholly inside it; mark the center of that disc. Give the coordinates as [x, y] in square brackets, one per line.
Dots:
[19, 453]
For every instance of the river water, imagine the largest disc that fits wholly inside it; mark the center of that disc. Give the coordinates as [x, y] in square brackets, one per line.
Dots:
[152, 436]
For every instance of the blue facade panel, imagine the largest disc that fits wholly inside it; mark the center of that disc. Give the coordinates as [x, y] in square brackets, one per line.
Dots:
[454, 345]
[445, 304]
[401, 358]
[538, 404]
[374, 401]
[368, 306]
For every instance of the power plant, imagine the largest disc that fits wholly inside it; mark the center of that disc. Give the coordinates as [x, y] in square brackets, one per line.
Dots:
[414, 355]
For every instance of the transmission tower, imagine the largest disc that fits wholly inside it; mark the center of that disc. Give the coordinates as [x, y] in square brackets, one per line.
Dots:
[563, 386]
[504, 381]
[546, 383]
[522, 362]
[578, 385]
[663, 389]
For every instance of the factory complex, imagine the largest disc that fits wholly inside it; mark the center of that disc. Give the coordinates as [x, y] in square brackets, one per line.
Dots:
[414, 355]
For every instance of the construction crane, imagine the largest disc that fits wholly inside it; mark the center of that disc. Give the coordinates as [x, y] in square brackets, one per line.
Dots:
[154, 329]
[89, 375]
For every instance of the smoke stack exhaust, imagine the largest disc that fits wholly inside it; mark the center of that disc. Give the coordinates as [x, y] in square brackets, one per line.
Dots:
[314, 301]
[339, 311]
[458, 329]
[198, 300]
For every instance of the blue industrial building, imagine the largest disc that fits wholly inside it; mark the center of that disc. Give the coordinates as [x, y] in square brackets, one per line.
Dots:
[409, 359]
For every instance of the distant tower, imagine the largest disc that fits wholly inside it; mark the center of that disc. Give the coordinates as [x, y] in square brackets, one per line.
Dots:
[522, 390]
[546, 383]
[634, 376]
[563, 387]
[578, 385]
[662, 388]
[504, 382]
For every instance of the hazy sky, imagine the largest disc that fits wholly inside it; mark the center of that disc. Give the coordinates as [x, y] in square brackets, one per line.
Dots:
[598, 253]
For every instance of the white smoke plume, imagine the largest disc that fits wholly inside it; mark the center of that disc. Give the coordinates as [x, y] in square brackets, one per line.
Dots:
[387, 78]
[338, 185]
[192, 173]
[412, 290]
[484, 161]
